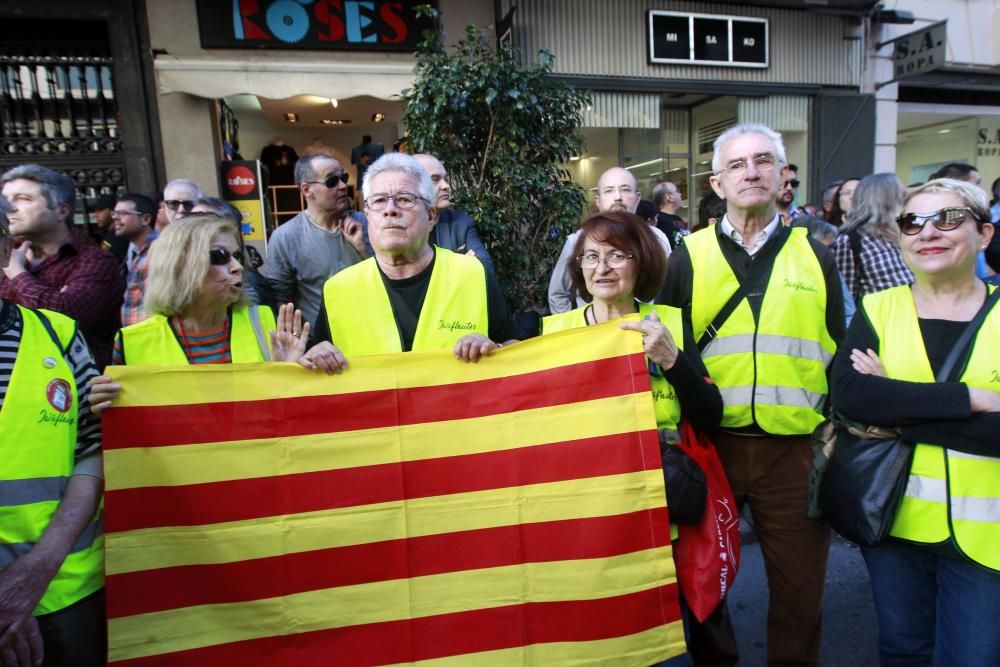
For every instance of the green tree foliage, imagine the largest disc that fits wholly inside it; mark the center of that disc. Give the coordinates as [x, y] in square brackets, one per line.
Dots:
[502, 128]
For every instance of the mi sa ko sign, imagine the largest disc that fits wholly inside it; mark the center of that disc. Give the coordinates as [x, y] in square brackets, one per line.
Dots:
[357, 25]
[706, 39]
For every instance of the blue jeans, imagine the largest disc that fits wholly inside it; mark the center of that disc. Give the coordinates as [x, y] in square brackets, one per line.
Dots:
[931, 605]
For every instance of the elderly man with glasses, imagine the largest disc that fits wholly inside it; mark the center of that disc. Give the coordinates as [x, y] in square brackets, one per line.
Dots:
[179, 197]
[767, 310]
[411, 295]
[320, 241]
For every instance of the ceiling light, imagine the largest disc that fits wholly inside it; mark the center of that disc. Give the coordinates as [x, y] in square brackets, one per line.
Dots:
[332, 121]
[292, 117]
[378, 117]
[943, 131]
[574, 158]
[333, 102]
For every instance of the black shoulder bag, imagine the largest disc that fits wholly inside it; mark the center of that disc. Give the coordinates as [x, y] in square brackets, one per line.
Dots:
[869, 468]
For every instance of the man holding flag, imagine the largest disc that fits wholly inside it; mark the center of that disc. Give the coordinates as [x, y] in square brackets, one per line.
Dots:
[410, 295]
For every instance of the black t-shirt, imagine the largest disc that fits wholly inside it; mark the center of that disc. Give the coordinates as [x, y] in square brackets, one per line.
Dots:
[673, 226]
[406, 296]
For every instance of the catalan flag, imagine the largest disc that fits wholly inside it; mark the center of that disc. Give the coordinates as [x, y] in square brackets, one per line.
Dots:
[412, 510]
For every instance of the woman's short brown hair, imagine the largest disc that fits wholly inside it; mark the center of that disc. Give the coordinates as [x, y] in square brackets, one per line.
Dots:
[633, 236]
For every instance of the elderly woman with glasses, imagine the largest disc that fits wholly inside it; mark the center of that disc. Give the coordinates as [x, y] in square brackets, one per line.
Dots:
[197, 307]
[936, 579]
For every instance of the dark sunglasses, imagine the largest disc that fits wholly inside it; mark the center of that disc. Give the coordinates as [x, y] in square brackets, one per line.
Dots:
[945, 220]
[794, 183]
[221, 256]
[174, 204]
[333, 180]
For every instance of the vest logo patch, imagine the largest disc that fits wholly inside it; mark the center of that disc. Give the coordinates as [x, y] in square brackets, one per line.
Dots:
[800, 286]
[456, 325]
[660, 395]
[59, 395]
[996, 377]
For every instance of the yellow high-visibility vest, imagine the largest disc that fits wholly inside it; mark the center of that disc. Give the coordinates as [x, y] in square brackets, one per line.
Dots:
[668, 407]
[949, 494]
[360, 315]
[771, 371]
[153, 341]
[38, 430]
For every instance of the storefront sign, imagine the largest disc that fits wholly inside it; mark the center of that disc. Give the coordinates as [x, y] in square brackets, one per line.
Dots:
[988, 148]
[918, 52]
[239, 181]
[357, 25]
[704, 39]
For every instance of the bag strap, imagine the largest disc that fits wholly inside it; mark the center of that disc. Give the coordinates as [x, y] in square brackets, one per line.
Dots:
[64, 349]
[854, 237]
[258, 331]
[758, 275]
[962, 347]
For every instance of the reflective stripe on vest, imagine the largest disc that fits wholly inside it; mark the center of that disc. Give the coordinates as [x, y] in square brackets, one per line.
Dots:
[949, 494]
[668, 407]
[360, 315]
[771, 371]
[153, 341]
[33, 478]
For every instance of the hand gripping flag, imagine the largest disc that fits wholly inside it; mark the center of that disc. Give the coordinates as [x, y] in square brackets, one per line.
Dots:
[412, 510]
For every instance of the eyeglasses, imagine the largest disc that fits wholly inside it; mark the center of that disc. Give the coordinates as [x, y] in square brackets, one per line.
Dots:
[333, 180]
[794, 183]
[174, 204]
[221, 256]
[763, 162]
[402, 200]
[945, 220]
[613, 260]
[617, 189]
[119, 214]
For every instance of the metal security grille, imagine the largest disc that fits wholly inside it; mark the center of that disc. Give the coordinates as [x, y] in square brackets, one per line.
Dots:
[60, 110]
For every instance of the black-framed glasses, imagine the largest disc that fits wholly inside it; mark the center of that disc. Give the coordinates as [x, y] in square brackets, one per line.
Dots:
[794, 183]
[174, 204]
[613, 260]
[221, 256]
[945, 220]
[333, 180]
[404, 201]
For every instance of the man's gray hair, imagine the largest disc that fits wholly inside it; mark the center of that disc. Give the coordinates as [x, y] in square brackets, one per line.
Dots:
[973, 196]
[406, 164]
[186, 183]
[57, 188]
[221, 208]
[747, 128]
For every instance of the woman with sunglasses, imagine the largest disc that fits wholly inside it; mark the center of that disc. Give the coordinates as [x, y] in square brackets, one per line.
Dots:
[198, 311]
[936, 579]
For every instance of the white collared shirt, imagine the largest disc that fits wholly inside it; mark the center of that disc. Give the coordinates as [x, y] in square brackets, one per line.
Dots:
[757, 243]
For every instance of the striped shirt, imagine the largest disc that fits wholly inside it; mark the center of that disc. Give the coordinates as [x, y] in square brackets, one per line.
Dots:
[88, 436]
[210, 347]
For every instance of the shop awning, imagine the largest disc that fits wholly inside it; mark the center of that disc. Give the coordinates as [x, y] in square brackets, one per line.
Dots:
[279, 78]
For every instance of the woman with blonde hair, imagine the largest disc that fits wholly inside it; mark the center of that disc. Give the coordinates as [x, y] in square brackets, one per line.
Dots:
[867, 250]
[198, 311]
[918, 359]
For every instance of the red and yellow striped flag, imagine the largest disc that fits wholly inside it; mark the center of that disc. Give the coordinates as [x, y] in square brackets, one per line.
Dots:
[413, 510]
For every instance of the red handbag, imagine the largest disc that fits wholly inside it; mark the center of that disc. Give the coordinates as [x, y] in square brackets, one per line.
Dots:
[707, 554]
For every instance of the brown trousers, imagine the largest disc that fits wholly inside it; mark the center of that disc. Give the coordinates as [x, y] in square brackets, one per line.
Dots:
[772, 475]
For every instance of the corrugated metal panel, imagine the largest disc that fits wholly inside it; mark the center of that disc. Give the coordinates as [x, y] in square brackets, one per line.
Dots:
[601, 38]
[784, 113]
[623, 110]
[675, 126]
